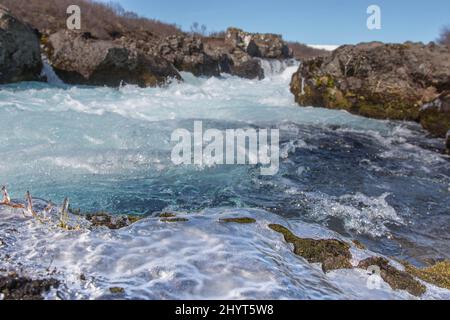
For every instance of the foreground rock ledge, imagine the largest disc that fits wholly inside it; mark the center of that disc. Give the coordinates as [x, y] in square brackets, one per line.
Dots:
[14, 287]
[376, 80]
[20, 56]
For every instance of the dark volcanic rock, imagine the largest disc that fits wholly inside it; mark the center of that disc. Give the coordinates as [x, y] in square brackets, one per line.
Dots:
[435, 116]
[250, 69]
[384, 81]
[187, 53]
[259, 45]
[80, 59]
[398, 280]
[14, 287]
[332, 254]
[20, 55]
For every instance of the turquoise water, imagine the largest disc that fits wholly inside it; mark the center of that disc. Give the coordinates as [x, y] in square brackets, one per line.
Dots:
[377, 181]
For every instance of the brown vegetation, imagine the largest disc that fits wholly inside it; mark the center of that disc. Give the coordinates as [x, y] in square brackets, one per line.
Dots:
[444, 38]
[303, 52]
[103, 21]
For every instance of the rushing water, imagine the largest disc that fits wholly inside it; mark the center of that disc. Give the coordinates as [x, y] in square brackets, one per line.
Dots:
[340, 175]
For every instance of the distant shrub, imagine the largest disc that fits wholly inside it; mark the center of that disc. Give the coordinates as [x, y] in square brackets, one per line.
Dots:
[100, 19]
[303, 52]
[444, 38]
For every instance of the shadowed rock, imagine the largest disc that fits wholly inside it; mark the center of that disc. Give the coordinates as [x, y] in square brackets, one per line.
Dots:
[80, 59]
[20, 55]
[187, 53]
[398, 280]
[435, 116]
[332, 254]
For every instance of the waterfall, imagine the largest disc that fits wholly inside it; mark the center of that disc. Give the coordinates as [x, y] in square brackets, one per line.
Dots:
[49, 73]
[274, 67]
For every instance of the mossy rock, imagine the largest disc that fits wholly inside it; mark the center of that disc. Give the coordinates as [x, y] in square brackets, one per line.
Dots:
[237, 220]
[117, 290]
[397, 280]
[113, 222]
[438, 274]
[173, 220]
[167, 215]
[331, 253]
[358, 244]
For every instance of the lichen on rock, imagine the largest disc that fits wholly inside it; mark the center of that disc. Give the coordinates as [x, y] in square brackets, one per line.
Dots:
[438, 274]
[331, 253]
[377, 80]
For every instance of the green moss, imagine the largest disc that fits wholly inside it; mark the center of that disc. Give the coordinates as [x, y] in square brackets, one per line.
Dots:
[117, 290]
[332, 254]
[238, 220]
[397, 280]
[439, 274]
[359, 245]
[167, 215]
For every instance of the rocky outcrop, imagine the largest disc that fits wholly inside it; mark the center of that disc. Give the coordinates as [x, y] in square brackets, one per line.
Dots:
[268, 46]
[435, 116]
[384, 81]
[187, 53]
[237, 53]
[80, 59]
[20, 57]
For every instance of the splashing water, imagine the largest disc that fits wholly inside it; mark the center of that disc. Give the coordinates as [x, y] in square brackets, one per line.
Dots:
[340, 175]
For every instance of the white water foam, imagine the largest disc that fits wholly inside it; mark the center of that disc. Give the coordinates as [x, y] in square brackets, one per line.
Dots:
[198, 259]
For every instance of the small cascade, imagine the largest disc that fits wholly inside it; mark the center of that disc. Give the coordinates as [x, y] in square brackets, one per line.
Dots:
[274, 67]
[49, 73]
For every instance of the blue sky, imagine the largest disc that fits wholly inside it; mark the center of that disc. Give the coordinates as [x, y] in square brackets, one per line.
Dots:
[308, 21]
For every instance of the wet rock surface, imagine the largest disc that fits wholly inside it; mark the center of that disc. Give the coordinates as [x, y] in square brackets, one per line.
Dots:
[398, 280]
[447, 142]
[438, 274]
[238, 220]
[20, 56]
[15, 287]
[113, 222]
[435, 116]
[173, 220]
[332, 254]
